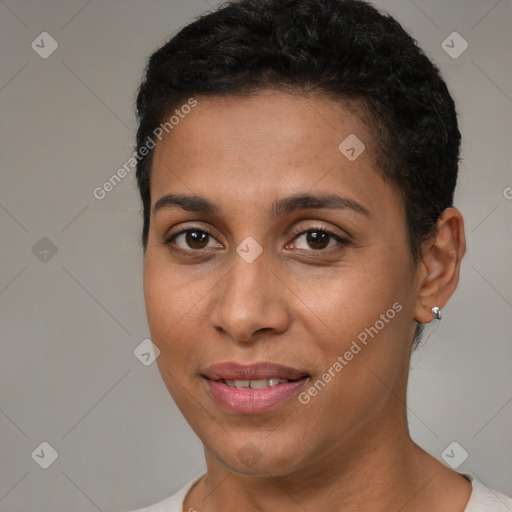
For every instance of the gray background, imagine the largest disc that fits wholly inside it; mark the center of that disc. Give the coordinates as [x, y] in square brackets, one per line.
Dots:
[71, 321]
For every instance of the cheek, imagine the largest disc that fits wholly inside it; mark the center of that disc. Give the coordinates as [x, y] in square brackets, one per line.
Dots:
[363, 310]
[162, 306]
[173, 306]
[348, 299]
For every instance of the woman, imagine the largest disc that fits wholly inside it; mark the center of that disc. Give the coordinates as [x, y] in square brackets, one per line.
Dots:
[298, 160]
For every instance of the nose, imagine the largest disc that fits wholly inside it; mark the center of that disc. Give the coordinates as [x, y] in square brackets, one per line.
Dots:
[250, 300]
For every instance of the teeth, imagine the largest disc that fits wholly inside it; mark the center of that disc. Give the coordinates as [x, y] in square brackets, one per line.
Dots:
[259, 384]
[255, 384]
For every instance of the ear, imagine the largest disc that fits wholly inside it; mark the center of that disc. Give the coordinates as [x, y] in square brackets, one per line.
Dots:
[438, 270]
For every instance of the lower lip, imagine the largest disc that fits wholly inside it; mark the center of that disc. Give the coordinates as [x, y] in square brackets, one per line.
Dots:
[253, 401]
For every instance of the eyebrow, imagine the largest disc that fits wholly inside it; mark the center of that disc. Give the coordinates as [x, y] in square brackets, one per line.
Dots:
[280, 208]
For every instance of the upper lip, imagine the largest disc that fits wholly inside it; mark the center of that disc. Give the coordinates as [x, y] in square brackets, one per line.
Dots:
[263, 370]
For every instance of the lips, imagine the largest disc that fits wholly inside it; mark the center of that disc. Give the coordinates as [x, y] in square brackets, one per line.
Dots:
[252, 389]
[233, 371]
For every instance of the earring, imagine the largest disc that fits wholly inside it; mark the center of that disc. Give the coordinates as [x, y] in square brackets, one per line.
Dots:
[437, 313]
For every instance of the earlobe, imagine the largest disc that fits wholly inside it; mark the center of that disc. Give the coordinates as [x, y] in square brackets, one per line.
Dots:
[440, 266]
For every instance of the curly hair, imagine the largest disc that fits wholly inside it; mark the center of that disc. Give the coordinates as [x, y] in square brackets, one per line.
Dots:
[346, 50]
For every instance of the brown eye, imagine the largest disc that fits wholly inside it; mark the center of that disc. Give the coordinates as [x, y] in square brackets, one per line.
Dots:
[196, 239]
[318, 239]
[192, 239]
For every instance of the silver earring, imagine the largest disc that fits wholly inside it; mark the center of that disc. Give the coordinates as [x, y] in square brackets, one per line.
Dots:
[437, 313]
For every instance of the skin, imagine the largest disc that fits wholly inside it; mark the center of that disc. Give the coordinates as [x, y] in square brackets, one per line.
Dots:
[298, 305]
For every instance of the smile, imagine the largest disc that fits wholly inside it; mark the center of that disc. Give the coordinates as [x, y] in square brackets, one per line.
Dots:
[252, 389]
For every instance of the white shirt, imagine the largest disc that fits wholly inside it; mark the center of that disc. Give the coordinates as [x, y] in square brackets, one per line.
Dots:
[482, 499]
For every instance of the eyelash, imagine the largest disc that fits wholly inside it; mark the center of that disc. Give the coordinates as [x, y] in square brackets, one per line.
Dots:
[343, 242]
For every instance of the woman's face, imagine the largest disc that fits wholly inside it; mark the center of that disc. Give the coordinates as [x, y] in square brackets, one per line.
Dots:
[251, 278]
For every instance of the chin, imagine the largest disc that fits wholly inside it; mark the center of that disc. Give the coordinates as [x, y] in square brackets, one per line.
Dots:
[260, 458]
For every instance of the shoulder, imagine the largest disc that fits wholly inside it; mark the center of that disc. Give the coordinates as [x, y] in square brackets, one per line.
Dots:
[173, 503]
[484, 499]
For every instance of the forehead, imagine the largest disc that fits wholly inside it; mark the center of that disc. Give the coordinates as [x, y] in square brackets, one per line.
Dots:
[259, 147]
